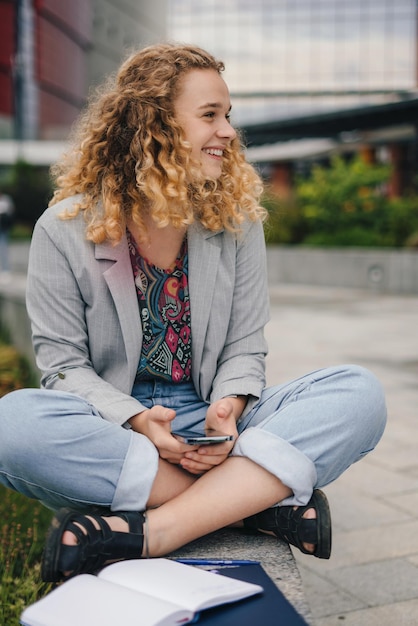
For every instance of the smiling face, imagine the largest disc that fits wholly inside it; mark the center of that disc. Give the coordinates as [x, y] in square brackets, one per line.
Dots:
[202, 109]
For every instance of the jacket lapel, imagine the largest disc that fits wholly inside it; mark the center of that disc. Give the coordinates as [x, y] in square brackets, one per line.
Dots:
[204, 250]
[119, 278]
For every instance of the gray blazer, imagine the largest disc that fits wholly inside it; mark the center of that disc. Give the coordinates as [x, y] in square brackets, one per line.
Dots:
[82, 302]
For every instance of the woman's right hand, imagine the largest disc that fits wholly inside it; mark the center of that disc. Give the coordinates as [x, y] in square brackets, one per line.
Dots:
[155, 423]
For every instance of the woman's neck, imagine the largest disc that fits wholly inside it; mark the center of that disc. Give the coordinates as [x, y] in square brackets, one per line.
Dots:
[162, 246]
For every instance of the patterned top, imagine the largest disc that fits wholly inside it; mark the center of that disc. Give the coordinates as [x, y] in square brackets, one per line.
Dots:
[163, 297]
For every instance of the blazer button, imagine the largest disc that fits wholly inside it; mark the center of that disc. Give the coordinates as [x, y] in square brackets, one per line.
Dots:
[61, 375]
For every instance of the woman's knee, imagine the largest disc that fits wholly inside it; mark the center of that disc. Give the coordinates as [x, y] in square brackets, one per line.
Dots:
[29, 417]
[367, 388]
[16, 406]
[368, 403]
[15, 427]
[21, 409]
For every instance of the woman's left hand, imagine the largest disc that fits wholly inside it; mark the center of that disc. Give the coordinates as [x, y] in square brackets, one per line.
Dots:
[222, 416]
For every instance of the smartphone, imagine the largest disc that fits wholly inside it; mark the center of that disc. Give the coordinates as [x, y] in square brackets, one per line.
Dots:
[195, 438]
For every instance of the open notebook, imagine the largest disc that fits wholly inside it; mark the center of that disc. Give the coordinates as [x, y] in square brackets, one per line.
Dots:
[145, 592]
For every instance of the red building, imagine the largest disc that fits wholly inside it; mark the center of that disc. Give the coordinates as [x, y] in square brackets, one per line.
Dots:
[43, 66]
[7, 48]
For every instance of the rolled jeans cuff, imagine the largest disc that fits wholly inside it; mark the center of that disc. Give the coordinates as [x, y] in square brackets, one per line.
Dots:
[293, 468]
[134, 484]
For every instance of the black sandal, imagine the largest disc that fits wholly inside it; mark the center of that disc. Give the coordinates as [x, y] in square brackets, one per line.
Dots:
[94, 548]
[288, 524]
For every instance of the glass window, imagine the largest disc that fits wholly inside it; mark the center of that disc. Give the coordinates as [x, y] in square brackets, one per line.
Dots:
[285, 46]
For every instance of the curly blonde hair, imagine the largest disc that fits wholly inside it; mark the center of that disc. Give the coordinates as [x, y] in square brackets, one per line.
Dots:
[128, 153]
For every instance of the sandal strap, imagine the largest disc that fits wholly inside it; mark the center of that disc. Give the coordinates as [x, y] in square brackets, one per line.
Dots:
[285, 526]
[288, 524]
[96, 546]
[135, 521]
[295, 529]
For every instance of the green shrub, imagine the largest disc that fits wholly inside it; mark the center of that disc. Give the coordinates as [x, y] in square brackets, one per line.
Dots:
[24, 524]
[23, 521]
[15, 372]
[344, 204]
[412, 240]
[21, 232]
[403, 220]
[286, 223]
[31, 188]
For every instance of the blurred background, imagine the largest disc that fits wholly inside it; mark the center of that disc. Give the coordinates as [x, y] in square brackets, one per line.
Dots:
[325, 93]
[314, 83]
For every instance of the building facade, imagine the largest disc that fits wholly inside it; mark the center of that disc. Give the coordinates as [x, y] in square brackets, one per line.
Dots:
[293, 63]
[285, 57]
[52, 52]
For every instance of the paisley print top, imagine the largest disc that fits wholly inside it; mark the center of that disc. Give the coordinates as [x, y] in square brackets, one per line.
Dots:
[163, 298]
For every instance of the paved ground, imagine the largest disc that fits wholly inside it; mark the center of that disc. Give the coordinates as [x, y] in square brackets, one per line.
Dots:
[372, 576]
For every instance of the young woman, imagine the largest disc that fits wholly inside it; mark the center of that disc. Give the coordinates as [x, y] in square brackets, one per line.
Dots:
[147, 295]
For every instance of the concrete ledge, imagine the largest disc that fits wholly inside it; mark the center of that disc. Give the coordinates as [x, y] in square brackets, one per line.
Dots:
[390, 270]
[275, 556]
[383, 270]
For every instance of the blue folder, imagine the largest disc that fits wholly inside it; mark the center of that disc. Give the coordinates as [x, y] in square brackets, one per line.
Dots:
[270, 608]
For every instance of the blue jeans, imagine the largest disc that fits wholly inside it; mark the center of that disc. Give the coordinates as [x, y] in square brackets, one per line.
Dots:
[55, 447]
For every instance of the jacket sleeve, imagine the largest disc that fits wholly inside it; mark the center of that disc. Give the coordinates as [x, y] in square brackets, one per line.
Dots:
[241, 364]
[65, 309]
